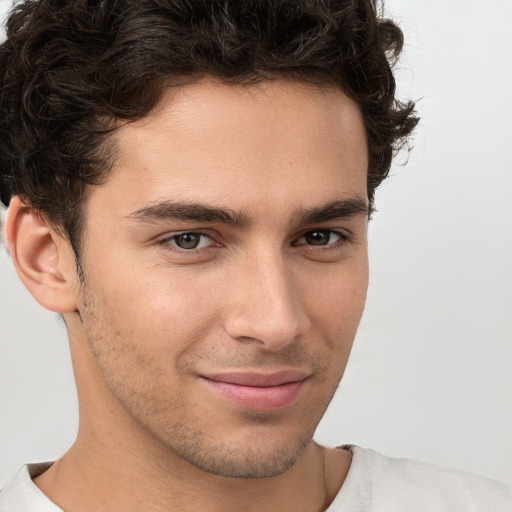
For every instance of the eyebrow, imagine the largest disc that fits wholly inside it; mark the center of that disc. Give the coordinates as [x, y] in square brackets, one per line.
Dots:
[339, 209]
[197, 212]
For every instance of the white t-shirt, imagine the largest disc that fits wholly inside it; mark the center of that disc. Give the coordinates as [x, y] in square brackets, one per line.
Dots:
[374, 483]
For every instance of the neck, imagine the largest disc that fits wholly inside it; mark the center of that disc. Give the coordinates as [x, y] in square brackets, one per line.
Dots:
[117, 465]
[93, 476]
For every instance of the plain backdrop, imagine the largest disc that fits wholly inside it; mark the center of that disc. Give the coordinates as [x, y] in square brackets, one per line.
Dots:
[430, 375]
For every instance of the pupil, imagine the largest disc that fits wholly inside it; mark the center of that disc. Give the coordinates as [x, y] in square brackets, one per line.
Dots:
[317, 237]
[187, 240]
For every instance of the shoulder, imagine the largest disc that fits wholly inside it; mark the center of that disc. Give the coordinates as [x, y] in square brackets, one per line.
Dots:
[23, 495]
[404, 484]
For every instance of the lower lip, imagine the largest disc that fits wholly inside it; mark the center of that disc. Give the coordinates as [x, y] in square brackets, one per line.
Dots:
[255, 398]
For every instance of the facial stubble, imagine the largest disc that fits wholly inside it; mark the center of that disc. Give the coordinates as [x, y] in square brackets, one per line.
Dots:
[247, 448]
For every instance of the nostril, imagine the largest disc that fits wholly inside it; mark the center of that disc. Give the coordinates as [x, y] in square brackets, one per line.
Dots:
[274, 329]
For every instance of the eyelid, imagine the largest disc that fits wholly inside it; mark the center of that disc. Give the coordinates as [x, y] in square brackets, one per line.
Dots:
[343, 237]
[165, 240]
[168, 237]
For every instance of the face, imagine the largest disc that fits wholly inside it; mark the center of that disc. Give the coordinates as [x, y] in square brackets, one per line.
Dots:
[225, 264]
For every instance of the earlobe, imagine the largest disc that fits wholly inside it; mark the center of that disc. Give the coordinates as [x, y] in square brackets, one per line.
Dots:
[43, 260]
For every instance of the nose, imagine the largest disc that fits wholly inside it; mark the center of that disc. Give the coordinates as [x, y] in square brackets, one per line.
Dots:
[267, 304]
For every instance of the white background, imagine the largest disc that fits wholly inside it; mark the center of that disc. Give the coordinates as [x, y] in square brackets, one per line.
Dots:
[430, 376]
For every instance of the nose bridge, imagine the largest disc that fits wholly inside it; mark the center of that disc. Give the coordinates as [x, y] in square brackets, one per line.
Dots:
[267, 304]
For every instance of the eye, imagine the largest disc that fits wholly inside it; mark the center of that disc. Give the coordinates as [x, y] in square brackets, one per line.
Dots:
[320, 237]
[189, 240]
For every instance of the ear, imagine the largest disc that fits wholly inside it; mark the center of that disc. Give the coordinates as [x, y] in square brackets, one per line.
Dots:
[43, 259]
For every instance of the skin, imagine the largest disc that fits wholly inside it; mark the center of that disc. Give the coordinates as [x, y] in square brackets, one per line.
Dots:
[275, 289]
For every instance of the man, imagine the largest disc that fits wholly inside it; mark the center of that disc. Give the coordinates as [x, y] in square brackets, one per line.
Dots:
[189, 185]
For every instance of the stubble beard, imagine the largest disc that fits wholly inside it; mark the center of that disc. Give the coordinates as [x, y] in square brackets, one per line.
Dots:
[179, 433]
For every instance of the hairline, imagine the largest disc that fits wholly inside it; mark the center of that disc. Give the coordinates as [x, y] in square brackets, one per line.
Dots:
[108, 149]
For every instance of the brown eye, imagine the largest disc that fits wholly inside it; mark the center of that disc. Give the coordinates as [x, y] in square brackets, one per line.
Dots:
[317, 237]
[320, 237]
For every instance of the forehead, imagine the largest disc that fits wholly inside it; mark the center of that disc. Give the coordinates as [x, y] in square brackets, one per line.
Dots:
[239, 145]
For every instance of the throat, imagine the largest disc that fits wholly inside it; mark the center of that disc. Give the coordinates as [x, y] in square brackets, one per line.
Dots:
[309, 486]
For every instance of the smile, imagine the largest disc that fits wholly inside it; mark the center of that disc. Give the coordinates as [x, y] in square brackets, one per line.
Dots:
[257, 391]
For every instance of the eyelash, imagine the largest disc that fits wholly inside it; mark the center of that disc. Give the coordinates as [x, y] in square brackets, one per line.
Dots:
[167, 241]
[342, 238]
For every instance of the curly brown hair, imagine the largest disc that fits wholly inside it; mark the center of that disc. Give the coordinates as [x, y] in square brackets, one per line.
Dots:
[70, 69]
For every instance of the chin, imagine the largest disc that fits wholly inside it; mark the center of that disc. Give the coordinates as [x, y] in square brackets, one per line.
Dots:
[248, 459]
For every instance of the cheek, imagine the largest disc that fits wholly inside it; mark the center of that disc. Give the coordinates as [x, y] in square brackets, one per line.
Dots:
[160, 309]
[337, 297]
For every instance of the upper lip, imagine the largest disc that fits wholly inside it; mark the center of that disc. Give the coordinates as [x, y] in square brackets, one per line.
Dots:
[258, 379]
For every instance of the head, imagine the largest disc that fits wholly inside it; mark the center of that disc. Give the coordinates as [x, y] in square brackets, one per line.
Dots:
[211, 167]
[72, 72]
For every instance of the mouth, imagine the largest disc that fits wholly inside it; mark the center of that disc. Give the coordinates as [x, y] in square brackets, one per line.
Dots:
[257, 391]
